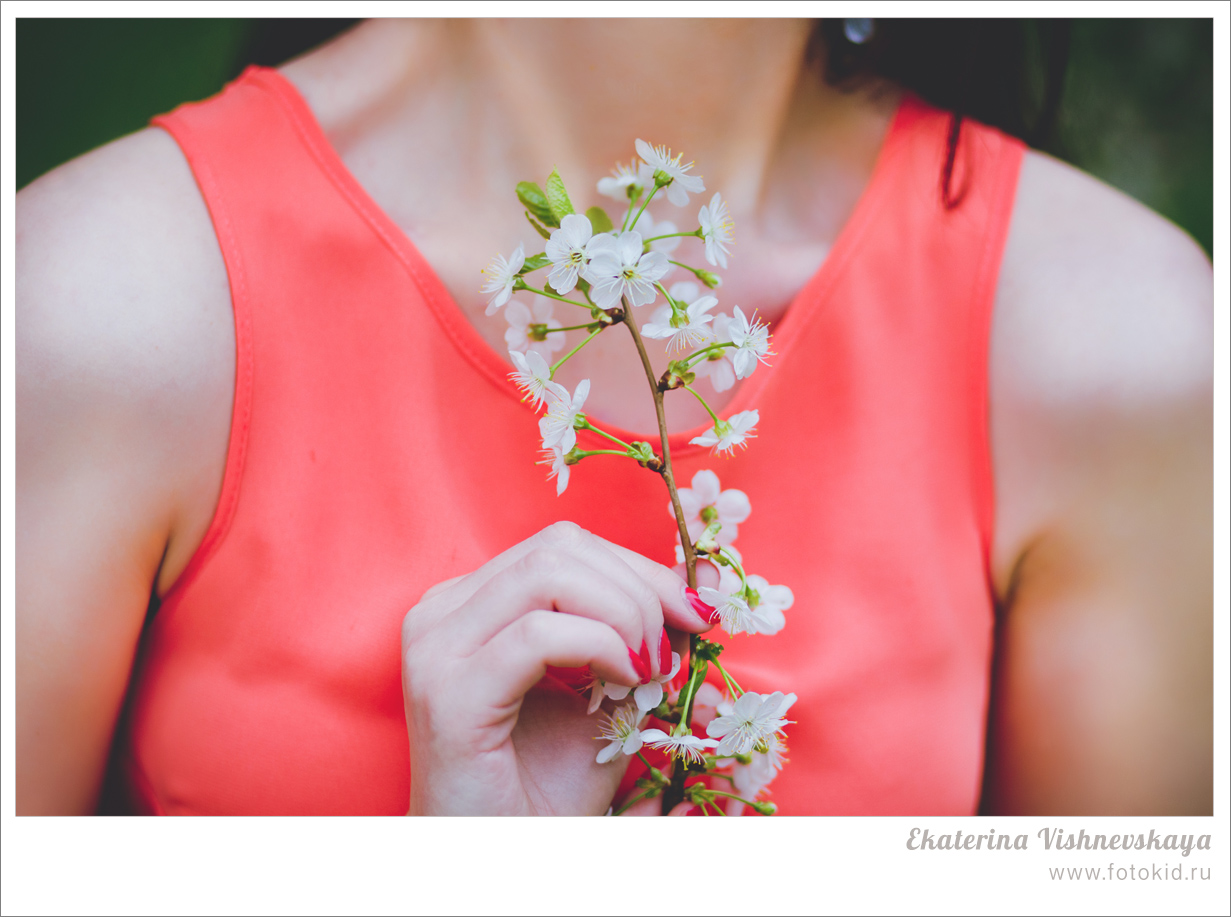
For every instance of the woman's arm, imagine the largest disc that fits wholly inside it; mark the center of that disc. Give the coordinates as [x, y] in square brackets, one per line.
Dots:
[125, 366]
[1101, 410]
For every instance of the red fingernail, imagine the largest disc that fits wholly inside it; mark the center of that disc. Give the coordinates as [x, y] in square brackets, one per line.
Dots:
[695, 810]
[664, 653]
[708, 613]
[645, 662]
[642, 670]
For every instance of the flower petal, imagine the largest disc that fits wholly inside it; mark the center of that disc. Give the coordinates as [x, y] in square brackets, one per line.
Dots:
[606, 754]
[648, 696]
[733, 506]
[706, 487]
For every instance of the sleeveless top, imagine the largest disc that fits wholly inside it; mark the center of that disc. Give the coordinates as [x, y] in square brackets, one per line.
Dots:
[269, 680]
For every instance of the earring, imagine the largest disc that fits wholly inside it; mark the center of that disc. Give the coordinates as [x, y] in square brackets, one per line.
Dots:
[857, 31]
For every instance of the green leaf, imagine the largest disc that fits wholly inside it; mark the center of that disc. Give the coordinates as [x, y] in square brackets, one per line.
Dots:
[534, 200]
[534, 262]
[557, 197]
[538, 227]
[599, 220]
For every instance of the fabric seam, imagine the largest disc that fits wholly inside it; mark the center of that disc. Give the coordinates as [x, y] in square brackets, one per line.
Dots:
[241, 409]
[980, 351]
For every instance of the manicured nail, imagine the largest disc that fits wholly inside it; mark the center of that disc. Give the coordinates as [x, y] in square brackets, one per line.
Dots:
[645, 662]
[708, 613]
[664, 653]
[695, 810]
[639, 666]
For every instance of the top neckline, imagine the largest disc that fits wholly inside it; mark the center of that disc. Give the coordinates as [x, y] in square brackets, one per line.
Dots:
[476, 350]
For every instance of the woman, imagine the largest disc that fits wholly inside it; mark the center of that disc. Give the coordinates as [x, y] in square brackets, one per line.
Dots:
[240, 384]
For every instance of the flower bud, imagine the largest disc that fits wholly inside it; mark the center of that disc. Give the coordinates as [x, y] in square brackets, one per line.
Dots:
[713, 281]
[708, 543]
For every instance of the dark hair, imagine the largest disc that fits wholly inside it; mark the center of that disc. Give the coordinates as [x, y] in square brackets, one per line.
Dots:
[1006, 73]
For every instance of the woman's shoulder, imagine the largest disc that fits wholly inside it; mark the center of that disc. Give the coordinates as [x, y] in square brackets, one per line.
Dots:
[124, 326]
[1100, 298]
[1101, 350]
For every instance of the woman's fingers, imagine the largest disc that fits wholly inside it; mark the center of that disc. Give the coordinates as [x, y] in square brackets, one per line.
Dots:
[667, 586]
[513, 660]
[649, 581]
[550, 580]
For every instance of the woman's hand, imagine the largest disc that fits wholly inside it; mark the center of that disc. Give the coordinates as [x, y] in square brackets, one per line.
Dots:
[482, 742]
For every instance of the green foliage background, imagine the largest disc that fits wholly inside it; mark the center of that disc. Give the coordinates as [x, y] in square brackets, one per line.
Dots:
[1137, 109]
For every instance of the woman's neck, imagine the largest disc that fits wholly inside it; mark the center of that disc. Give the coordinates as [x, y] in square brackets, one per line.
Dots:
[439, 120]
[719, 91]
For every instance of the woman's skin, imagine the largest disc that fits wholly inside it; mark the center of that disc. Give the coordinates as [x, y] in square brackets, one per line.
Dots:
[1101, 399]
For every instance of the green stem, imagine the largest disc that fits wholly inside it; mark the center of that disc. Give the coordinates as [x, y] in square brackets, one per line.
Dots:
[732, 684]
[586, 453]
[695, 680]
[570, 327]
[671, 235]
[737, 567]
[560, 362]
[708, 409]
[558, 298]
[631, 802]
[632, 202]
[649, 198]
[589, 426]
[733, 796]
[704, 352]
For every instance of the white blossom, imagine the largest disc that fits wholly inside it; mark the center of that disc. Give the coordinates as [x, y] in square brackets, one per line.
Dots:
[635, 175]
[727, 434]
[660, 160]
[518, 337]
[717, 365]
[533, 376]
[733, 612]
[684, 747]
[566, 250]
[749, 725]
[500, 277]
[620, 730]
[751, 341]
[766, 602]
[554, 456]
[705, 502]
[751, 779]
[620, 268]
[650, 695]
[716, 230]
[600, 689]
[646, 696]
[687, 328]
[556, 426]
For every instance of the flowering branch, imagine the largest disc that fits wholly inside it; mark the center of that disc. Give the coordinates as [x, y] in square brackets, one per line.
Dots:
[731, 735]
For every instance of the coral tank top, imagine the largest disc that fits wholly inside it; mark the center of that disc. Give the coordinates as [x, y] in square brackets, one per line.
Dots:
[269, 680]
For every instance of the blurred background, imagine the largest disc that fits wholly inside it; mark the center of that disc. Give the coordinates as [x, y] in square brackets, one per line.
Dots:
[1136, 107]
